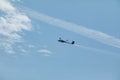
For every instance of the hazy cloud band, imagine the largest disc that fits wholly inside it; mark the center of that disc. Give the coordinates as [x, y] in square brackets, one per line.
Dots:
[93, 34]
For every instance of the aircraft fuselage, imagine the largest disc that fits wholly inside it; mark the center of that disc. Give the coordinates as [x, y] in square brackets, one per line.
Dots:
[63, 41]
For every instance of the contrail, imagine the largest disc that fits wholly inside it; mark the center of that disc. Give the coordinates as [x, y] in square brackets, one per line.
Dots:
[90, 33]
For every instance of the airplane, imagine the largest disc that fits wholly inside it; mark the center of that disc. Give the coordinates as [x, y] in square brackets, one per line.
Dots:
[65, 41]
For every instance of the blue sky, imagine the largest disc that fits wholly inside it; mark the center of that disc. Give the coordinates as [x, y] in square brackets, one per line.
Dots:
[29, 31]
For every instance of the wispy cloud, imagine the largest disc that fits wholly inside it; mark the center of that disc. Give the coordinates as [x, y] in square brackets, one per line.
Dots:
[45, 52]
[84, 31]
[12, 22]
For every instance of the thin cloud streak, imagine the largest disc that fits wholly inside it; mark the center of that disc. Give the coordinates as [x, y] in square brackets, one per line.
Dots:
[90, 33]
[44, 51]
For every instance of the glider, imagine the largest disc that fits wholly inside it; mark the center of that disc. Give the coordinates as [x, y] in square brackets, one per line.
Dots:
[66, 41]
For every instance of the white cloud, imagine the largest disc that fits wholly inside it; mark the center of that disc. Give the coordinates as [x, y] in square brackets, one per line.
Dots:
[6, 6]
[12, 22]
[44, 51]
[16, 0]
[24, 51]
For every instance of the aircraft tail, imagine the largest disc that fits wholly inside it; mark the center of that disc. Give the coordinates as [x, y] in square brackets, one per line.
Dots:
[73, 42]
